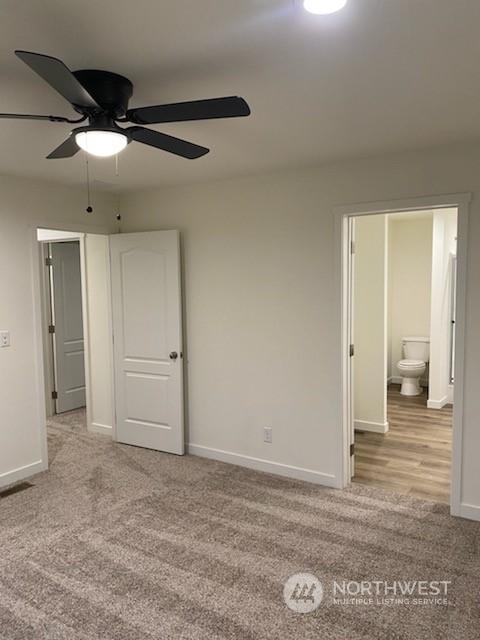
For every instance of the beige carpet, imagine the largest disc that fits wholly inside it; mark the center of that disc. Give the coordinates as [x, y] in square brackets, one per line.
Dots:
[116, 542]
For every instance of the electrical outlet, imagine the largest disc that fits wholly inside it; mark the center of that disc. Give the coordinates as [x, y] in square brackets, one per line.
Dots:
[4, 339]
[267, 435]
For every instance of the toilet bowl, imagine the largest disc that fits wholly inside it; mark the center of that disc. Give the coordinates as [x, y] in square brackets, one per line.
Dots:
[416, 352]
[411, 372]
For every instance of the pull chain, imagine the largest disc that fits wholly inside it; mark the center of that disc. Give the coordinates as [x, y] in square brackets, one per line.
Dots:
[119, 216]
[89, 208]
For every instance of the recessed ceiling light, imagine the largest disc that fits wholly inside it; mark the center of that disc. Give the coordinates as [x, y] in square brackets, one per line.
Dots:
[323, 7]
[101, 143]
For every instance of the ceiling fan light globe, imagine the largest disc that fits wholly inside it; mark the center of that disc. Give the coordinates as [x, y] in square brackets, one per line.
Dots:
[323, 7]
[101, 143]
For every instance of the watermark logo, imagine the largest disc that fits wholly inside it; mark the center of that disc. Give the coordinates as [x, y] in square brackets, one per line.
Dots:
[396, 592]
[303, 592]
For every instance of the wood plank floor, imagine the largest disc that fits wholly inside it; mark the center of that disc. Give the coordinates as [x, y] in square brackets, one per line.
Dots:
[414, 456]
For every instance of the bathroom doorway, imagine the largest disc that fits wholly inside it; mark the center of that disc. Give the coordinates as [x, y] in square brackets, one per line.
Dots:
[402, 335]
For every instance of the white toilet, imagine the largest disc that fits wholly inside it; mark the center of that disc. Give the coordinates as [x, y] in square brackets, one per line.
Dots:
[416, 351]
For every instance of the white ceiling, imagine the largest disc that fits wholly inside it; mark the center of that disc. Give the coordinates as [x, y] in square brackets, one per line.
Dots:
[380, 76]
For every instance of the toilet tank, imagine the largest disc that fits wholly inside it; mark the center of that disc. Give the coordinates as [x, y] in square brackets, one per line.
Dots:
[416, 348]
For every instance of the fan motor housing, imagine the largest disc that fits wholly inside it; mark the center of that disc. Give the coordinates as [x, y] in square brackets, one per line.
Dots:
[110, 90]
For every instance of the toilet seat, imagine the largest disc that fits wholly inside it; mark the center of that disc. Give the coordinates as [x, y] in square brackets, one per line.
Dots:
[410, 365]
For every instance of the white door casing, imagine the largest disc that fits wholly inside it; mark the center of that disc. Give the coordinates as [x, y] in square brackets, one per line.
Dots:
[351, 326]
[147, 333]
[67, 318]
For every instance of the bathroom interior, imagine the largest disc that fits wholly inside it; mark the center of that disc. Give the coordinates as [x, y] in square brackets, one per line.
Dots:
[404, 274]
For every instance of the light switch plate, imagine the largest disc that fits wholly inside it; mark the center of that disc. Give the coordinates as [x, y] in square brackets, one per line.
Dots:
[4, 339]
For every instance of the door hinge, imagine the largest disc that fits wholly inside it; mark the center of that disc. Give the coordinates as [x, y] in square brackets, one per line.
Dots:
[48, 262]
[352, 350]
[54, 395]
[51, 328]
[352, 449]
[352, 247]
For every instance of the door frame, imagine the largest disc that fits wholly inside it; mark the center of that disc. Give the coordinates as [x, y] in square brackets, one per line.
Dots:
[350, 390]
[342, 214]
[48, 348]
[50, 365]
[38, 295]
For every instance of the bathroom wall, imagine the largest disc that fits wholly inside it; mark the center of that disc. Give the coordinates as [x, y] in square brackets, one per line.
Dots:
[410, 274]
[444, 246]
[370, 332]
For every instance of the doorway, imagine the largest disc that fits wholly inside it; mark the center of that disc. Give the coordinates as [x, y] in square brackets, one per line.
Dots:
[357, 453]
[63, 321]
[112, 334]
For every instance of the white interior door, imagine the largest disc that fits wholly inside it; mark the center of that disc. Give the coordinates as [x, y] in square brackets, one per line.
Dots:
[147, 330]
[69, 356]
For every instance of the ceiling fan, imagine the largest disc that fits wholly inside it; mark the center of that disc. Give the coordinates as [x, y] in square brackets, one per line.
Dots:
[101, 97]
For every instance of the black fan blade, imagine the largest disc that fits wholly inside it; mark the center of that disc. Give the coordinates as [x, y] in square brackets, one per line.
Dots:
[59, 76]
[66, 150]
[167, 143]
[31, 116]
[232, 107]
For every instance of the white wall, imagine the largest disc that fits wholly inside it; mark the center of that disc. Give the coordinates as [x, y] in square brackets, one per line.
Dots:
[100, 411]
[370, 329]
[258, 341]
[410, 267]
[263, 322]
[23, 206]
[444, 245]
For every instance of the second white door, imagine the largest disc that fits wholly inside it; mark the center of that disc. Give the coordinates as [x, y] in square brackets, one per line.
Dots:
[68, 326]
[147, 330]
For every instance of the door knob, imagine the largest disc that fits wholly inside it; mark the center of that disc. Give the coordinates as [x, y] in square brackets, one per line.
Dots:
[173, 355]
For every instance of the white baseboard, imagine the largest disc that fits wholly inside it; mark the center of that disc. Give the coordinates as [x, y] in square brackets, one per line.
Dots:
[437, 404]
[450, 393]
[103, 429]
[267, 466]
[22, 473]
[376, 427]
[469, 511]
